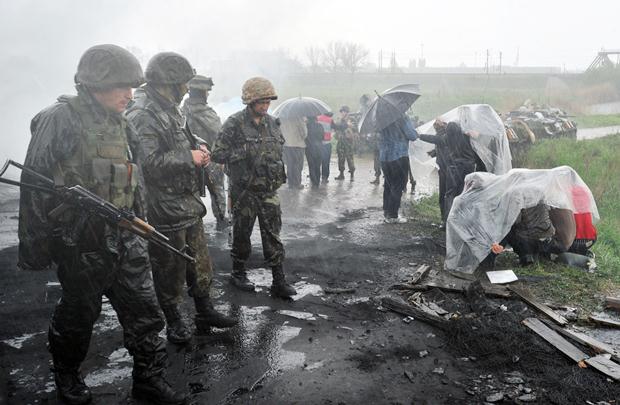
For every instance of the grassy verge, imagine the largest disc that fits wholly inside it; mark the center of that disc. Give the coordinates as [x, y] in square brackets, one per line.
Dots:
[595, 121]
[597, 163]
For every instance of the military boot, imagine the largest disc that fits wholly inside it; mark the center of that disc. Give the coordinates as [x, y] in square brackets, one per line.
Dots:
[239, 278]
[376, 181]
[176, 329]
[280, 288]
[70, 386]
[207, 316]
[156, 390]
[339, 177]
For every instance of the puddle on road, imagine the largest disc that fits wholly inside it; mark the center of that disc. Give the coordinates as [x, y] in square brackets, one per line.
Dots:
[18, 342]
[107, 320]
[118, 367]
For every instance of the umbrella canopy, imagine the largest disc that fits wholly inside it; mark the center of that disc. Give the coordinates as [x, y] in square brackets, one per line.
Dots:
[489, 136]
[388, 107]
[300, 107]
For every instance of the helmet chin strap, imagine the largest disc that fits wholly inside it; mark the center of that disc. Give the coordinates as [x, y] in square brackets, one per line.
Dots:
[176, 93]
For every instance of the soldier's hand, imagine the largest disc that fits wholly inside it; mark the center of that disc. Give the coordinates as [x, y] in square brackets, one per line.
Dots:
[201, 158]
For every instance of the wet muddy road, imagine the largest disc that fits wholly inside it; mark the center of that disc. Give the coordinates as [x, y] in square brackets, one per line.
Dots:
[320, 348]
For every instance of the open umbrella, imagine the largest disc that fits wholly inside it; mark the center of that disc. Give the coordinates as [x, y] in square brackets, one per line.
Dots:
[388, 107]
[300, 107]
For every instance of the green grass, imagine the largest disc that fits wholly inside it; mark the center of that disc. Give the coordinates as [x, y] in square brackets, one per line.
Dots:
[597, 163]
[426, 209]
[595, 121]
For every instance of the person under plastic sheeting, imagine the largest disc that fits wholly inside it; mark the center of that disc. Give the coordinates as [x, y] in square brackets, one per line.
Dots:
[490, 207]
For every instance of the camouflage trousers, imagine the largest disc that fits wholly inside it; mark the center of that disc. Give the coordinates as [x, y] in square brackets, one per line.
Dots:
[267, 209]
[171, 272]
[345, 150]
[121, 272]
[218, 204]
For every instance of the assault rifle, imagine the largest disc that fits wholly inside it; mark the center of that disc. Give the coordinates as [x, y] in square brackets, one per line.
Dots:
[91, 204]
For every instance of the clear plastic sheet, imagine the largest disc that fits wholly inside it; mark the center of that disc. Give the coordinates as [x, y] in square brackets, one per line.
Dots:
[489, 136]
[489, 206]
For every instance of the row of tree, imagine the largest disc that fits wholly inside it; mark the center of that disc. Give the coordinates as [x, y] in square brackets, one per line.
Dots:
[348, 57]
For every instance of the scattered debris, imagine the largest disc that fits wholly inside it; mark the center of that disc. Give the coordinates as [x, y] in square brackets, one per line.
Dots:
[438, 370]
[423, 353]
[419, 273]
[403, 308]
[586, 340]
[501, 276]
[538, 305]
[498, 396]
[409, 376]
[556, 340]
[408, 319]
[527, 398]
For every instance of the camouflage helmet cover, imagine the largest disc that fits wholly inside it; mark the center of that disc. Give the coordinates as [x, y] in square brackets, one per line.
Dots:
[257, 88]
[105, 66]
[201, 82]
[169, 68]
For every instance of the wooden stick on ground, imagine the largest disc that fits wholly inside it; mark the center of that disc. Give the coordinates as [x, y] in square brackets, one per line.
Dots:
[559, 319]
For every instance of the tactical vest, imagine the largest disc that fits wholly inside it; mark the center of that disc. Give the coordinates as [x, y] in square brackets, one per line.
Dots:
[100, 162]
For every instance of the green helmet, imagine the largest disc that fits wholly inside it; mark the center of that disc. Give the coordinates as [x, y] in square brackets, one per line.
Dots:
[257, 88]
[201, 82]
[169, 68]
[105, 66]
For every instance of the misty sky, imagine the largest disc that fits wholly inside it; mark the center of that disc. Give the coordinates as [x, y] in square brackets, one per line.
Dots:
[41, 41]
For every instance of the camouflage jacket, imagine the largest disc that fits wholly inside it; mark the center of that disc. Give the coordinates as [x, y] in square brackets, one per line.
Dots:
[253, 153]
[202, 120]
[163, 151]
[74, 141]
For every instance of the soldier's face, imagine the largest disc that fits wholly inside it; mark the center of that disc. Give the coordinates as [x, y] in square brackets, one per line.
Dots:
[115, 99]
[261, 107]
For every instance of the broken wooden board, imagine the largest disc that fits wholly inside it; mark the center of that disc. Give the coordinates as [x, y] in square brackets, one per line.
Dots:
[459, 285]
[605, 321]
[586, 340]
[403, 308]
[557, 318]
[613, 302]
[605, 366]
[419, 273]
[555, 339]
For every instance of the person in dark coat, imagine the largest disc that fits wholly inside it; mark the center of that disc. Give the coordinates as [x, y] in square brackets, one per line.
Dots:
[314, 149]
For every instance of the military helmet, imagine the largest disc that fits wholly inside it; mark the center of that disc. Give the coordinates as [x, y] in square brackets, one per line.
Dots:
[257, 88]
[105, 66]
[169, 68]
[201, 82]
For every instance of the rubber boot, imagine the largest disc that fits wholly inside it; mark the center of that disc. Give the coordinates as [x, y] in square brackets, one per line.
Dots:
[239, 278]
[207, 316]
[156, 390]
[340, 176]
[70, 386]
[352, 176]
[280, 288]
[176, 329]
[376, 181]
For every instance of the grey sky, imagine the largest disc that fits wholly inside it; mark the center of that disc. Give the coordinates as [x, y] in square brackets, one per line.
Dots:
[41, 41]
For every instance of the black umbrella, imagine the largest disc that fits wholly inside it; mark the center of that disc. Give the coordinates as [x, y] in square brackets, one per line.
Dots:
[388, 107]
[300, 107]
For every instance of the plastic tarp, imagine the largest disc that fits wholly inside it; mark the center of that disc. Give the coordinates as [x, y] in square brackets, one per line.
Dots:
[488, 207]
[489, 136]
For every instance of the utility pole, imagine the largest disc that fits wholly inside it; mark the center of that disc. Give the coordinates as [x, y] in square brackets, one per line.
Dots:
[500, 62]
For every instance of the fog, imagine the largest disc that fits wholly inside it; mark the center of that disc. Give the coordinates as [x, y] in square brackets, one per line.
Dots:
[41, 41]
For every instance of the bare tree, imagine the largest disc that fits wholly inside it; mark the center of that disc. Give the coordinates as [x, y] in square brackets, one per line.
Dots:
[332, 57]
[314, 55]
[352, 56]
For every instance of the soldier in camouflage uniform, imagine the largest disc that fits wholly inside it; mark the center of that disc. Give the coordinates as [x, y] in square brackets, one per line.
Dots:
[83, 140]
[250, 144]
[171, 159]
[346, 135]
[204, 122]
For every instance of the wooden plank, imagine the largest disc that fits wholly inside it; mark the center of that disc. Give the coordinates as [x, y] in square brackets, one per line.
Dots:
[419, 273]
[409, 310]
[605, 321]
[458, 285]
[605, 366]
[586, 340]
[613, 302]
[555, 339]
[559, 319]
